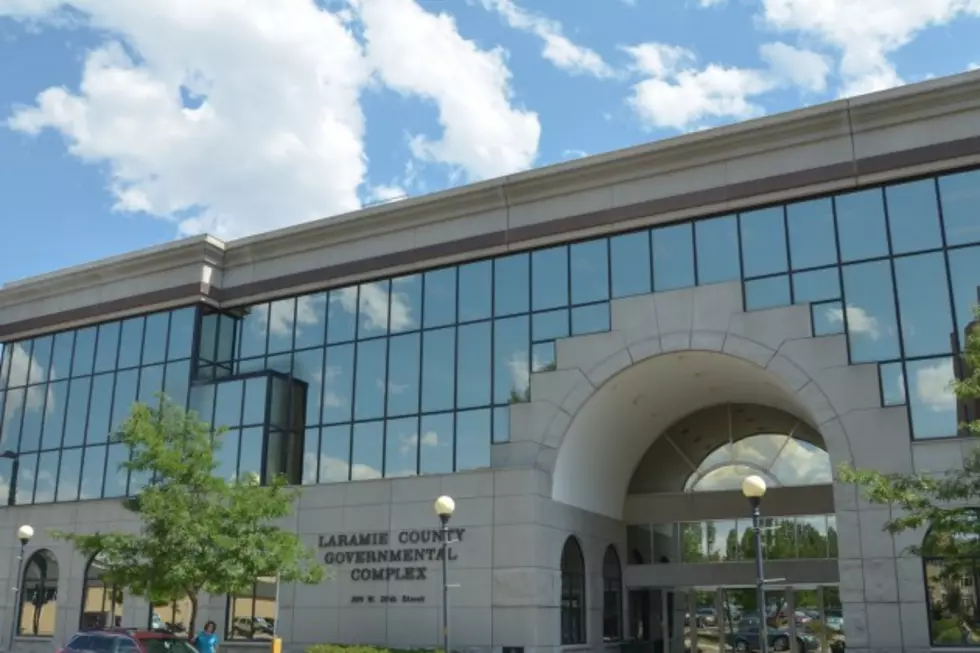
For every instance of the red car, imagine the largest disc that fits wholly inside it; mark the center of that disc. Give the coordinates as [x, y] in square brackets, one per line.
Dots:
[127, 640]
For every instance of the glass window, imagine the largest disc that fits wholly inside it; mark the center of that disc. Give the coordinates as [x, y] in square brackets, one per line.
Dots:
[20, 361]
[227, 454]
[207, 351]
[367, 451]
[913, 216]
[155, 338]
[932, 403]
[572, 593]
[923, 303]
[960, 197]
[892, 380]
[254, 406]
[590, 319]
[335, 453]
[511, 284]
[589, 263]
[511, 364]
[13, 410]
[550, 325]
[549, 277]
[252, 332]
[861, 225]
[816, 285]
[475, 294]
[30, 430]
[630, 264]
[282, 319]
[69, 474]
[26, 475]
[472, 439]
[769, 292]
[4, 364]
[501, 424]
[308, 367]
[871, 324]
[673, 257]
[251, 615]
[84, 353]
[717, 245]
[436, 444]
[369, 389]
[107, 347]
[39, 596]
[228, 404]
[47, 477]
[100, 409]
[64, 342]
[176, 381]
[54, 415]
[401, 447]
[250, 454]
[406, 303]
[181, 339]
[311, 320]
[543, 357]
[438, 369]
[40, 360]
[102, 604]
[115, 474]
[77, 413]
[93, 472]
[812, 241]
[439, 307]
[338, 384]
[341, 318]
[763, 242]
[123, 399]
[612, 596]
[403, 374]
[373, 309]
[311, 456]
[151, 385]
[130, 343]
[964, 268]
[473, 365]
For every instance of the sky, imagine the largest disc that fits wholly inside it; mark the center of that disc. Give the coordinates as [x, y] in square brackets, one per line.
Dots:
[125, 124]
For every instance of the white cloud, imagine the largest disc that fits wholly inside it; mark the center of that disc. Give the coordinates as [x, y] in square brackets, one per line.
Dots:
[973, 66]
[806, 69]
[864, 33]
[421, 54]
[677, 94]
[274, 136]
[932, 385]
[235, 119]
[859, 321]
[558, 48]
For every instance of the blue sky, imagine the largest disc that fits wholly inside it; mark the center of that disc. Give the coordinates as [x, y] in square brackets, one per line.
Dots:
[124, 124]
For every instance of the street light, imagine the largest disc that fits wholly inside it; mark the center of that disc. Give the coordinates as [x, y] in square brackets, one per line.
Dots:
[444, 507]
[754, 488]
[14, 473]
[24, 534]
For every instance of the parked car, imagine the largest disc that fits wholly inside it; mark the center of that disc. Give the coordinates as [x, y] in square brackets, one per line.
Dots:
[127, 640]
[748, 634]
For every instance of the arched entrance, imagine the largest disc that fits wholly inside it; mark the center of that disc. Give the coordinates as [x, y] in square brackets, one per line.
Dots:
[595, 423]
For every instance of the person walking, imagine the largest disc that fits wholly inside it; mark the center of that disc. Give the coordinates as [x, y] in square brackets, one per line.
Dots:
[207, 640]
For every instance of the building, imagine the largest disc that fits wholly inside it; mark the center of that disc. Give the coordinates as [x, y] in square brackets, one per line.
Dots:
[587, 357]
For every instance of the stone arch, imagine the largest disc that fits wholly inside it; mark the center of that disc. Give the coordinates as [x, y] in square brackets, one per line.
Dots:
[668, 355]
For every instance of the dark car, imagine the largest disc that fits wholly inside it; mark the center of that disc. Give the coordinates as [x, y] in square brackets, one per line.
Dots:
[748, 635]
[127, 640]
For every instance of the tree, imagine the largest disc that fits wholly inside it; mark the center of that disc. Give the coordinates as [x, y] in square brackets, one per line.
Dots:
[198, 532]
[946, 503]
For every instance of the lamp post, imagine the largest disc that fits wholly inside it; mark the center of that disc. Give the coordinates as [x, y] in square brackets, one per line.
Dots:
[754, 488]
[24, 534]
[14, 473]
[444, 508]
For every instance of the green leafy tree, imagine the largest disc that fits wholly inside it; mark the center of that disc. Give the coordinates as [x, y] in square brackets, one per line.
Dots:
[945, 503]
[198, 532]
